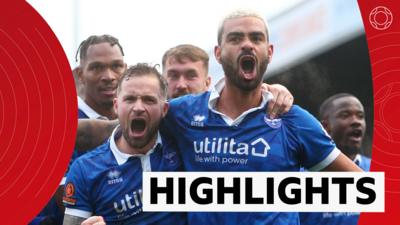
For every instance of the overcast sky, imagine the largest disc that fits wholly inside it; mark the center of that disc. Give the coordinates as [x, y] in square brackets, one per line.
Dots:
[147, 28]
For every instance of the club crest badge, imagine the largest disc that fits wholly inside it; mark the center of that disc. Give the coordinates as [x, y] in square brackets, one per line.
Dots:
[273, 123]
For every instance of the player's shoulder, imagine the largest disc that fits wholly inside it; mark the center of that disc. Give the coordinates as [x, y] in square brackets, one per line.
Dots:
[297, 113]
[295, 110]
[190, 100]
[92, 164]
[95, 155]
[300, 119]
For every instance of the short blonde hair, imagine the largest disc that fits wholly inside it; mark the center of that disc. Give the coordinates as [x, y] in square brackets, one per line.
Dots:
[186, 51]
[239, 14]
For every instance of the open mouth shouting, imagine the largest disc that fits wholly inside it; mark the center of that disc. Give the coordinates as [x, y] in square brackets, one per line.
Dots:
[109, 91]
[138, 127]
[247, 67]
[355, 135]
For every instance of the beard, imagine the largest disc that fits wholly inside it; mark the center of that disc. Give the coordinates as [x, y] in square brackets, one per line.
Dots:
[139, 143]
[108, 103]
[232, 72]
[179, 94]
[348, 150]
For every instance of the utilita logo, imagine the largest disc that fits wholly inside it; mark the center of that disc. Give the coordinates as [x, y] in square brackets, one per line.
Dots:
[129, 201]
[258, 147]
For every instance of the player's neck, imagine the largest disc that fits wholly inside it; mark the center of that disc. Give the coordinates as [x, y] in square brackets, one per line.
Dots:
[234, 101]
[350, 152]
[125, 147]
[107, 111]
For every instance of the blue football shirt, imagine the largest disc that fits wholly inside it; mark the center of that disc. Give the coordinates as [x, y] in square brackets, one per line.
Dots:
[210, 141]
[108, 183]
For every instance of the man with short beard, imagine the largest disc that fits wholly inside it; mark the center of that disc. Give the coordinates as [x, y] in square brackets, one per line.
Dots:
[108, 180]
[101, 64]
[342, 116]
[185, 67]
[231, 122]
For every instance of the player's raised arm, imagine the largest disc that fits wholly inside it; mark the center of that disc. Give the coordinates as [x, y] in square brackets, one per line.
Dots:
[282, 101]
[92, 132]
[343, 163]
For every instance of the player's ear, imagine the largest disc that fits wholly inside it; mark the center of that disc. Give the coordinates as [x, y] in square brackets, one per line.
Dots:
[165, 109]
[326, 126]
[208, 81]
[115, 104]
[79, 73]
[217, 53]
[270, 52]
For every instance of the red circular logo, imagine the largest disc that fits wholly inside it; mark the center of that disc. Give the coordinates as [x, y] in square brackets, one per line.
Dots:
[69, 190]
[380, 18]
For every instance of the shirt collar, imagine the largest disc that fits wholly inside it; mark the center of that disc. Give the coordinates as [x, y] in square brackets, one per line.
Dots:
[88, 110]
[357, 160]
[215, 94]
[122, 157]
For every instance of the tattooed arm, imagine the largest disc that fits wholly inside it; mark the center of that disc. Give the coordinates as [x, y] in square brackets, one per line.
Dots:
[72, 220]
[91, 133]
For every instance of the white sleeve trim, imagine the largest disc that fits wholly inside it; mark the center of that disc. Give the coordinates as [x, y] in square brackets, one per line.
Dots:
[63, 181]
[328, 160]
[77, 212]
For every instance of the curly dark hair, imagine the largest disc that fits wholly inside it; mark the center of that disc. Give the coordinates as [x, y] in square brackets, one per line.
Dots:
[96, 39]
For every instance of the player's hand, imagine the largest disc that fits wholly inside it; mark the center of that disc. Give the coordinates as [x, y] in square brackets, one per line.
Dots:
[94, 220]
[282, 101]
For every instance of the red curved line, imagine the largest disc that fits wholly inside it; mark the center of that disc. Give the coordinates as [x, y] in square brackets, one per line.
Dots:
[28, 113]
[52, 100]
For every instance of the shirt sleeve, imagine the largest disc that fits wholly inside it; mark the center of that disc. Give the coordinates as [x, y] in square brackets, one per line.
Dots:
[317, 149]
[170, 127]
[76, 194]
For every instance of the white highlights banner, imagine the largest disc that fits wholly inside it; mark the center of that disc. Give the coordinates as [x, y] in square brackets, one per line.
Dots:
[264, 191]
